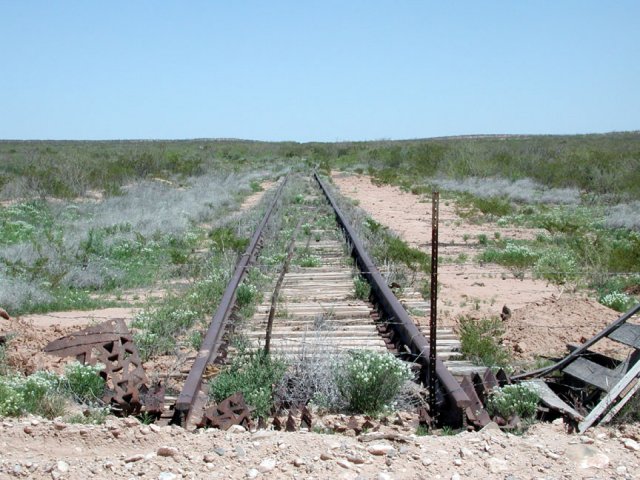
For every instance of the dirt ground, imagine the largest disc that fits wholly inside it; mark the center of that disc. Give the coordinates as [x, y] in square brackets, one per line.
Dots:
[544, 318]
[124, 448]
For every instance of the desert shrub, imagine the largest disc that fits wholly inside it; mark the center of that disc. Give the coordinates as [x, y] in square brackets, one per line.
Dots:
[84, 382]
[556, 266]
[480, 341]
[370, 380]
[618, 301]
[513, 255]
[226, 238]
[496, 206]
[520, 399]
[626, 215]
[253, 374]
[362, 289]
[246, 294]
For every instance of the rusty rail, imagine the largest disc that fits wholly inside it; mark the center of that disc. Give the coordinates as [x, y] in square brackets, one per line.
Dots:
[213, 338]
[403, 325]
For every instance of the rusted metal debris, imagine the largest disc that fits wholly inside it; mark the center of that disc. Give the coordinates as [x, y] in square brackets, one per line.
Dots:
[111, 344]
[231, 411]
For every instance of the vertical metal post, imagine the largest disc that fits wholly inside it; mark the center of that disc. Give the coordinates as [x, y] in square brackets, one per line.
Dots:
[435, 200]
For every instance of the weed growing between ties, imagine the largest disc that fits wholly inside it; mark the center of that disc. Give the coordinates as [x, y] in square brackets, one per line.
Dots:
[480, 341]
[362, 289]
[253, 373]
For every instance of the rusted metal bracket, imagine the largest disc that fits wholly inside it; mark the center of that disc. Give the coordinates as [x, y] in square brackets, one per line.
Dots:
[231, 411]
[111, 344]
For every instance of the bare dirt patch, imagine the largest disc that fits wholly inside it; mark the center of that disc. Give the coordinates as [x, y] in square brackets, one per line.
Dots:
[253, 199]
[476, 290]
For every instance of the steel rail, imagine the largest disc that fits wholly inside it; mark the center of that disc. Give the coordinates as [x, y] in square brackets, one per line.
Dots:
[213, 338]
[403, 325]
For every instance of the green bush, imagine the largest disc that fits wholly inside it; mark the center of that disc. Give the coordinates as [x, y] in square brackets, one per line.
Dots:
[480, 341]
[497, 206]
[362, 289]
[84, 382]
[252, 373]
[556, 266]
[618, 301]
[513, 255]
[370, 380]
[520, 399]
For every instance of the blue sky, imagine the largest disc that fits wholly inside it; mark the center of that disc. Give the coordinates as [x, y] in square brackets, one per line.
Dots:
[316, 70]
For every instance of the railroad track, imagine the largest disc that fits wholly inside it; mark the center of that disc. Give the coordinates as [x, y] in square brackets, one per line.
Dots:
[310, 306]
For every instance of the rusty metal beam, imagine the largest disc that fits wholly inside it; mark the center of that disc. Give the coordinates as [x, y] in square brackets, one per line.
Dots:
[213, 338]
[402, 324]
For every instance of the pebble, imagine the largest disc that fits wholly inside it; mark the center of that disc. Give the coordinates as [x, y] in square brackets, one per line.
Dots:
[62, 466]
[267, 465]
[131, 421]
[219, 451]
[236, 429]
[465, 453]
[58, 425]
[154, 428]
[263, 434]
[326, 456]
[384, 476]
[167, 451]
[455, 476]
[167, 476]
[299, 462]
[356, 460]
[631, 444]
[27, 429]
[252, 473]
[343, 463]
[145, 430]
[457, 462]
[380, 449]
[134, 458]
[240, 451]
[426, 461]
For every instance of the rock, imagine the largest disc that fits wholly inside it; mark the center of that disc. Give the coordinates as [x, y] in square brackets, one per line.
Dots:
[355, 459]
[167, 476]
[326, 456]
[426, 461]
[455, 476]
[496, 465]
[252, 473]
[145, 430]
[131, 421]
[299, 462]
[520, 347]
[209, 458]
[586, 456]
[491, 427]
[155, 428]
[4, 314]
[631, 444]
[236, 429]
[380, 449]
[62, 466]
[58, 425]
[240, 451]
[621, 470]
[27, 429]
[343, 463]
[263, 434]
[267, 465]
[465, 452]
[457, 462]
[384, 476]
[219, 451]
[134, 458]
[167, 451]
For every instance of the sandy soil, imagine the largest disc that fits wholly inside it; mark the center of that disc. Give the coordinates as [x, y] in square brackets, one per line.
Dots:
[475, 290]
[253, 199]
[39, 449]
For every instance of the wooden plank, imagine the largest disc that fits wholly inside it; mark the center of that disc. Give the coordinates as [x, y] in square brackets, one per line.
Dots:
[612, 398]
[593, 374]
[551, 400]
[628, 334]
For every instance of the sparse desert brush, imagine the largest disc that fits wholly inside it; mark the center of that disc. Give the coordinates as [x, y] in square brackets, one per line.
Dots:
[624, 215]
